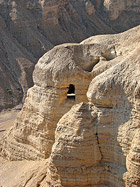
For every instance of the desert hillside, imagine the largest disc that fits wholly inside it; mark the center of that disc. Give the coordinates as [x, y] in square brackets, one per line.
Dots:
[79, 125]
[29, 28]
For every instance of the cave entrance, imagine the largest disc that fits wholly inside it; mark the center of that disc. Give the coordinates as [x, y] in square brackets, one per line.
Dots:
[71, 92]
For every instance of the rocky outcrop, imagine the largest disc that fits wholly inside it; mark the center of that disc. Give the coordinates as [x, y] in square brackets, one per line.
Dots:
[28, 30]
[81, 155]
[46, 102]
[96, 142]
[116, 8]
[121, 14]
[133, 162]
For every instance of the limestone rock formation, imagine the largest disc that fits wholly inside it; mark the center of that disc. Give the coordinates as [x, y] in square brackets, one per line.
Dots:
[96, 142]
[47, 101]
[28, 29]
[78, 156]
[109, 124]
[133, 162]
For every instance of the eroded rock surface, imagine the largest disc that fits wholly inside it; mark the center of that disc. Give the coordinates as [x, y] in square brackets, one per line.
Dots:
[30, 28]
[81, 154]
[96, 142]
[47, 101]
[109, 124]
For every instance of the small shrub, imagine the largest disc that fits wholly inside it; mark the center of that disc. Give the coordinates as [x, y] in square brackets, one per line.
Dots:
[9, 92]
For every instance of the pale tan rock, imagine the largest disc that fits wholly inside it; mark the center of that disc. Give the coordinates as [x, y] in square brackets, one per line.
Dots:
[107, 123]
[47, 101]
[29, 28]
[76, 157]
[114, 94]
[133, 161]
[22, 173]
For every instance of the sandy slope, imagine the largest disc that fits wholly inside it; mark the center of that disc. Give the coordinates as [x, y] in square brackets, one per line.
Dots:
[7, 119]
[29, 173]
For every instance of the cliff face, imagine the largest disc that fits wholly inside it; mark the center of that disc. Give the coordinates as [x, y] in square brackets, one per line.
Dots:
[30, 28]
[96, 142]
[122, 13]
[49, 99]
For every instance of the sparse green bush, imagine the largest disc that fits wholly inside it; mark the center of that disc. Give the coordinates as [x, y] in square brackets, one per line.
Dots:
[9, 92]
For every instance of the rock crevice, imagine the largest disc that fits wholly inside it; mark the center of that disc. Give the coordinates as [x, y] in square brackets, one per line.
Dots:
[93, 139]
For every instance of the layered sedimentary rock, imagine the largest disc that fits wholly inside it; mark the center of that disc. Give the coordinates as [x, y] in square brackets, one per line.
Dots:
[78, 157]
[109, 124]
[48, 100]
[133, 162]
[96, 142]
[28, 30]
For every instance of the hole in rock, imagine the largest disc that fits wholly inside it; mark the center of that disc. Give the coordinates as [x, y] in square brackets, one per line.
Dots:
[71, 92]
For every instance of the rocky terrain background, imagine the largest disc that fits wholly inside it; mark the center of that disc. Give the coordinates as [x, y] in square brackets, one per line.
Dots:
[29, 28]
[91, 138]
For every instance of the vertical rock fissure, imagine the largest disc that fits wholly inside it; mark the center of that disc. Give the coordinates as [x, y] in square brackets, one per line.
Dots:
[41, 180]
[99, 143]
[28, 180]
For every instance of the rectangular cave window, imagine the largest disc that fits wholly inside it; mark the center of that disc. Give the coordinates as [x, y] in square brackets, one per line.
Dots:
[71, 92]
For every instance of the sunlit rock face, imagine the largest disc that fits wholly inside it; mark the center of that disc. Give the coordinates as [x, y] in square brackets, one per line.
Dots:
[97, 143]
[29, 28]
[83, 113]
[76, 152]
[58, 85]
[133, 162]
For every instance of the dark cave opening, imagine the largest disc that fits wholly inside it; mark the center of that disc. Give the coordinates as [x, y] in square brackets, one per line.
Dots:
[71, 92]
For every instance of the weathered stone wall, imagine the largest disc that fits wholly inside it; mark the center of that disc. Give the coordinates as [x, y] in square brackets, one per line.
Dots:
[46, 103]
[28, 29]
[96, 142]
